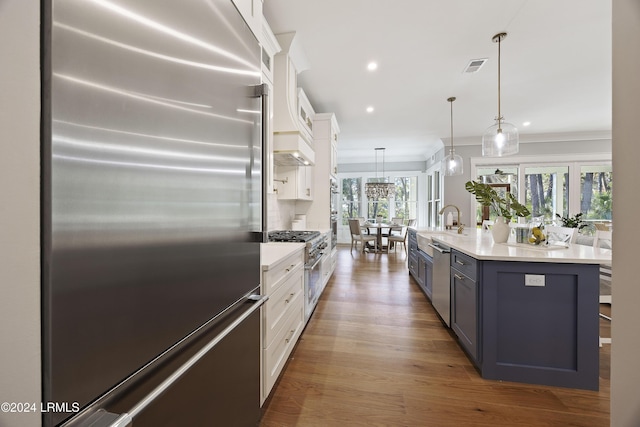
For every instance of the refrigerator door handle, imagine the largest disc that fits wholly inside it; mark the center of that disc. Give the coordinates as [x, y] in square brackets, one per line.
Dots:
[126, 419]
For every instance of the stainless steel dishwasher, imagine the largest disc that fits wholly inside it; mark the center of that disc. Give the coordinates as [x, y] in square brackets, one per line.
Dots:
[441, 297]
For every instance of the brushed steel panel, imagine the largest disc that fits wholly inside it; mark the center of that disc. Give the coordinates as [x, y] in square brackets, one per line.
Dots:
[155, 181]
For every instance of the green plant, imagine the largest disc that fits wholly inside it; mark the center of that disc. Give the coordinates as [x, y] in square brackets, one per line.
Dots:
[506, 206]
[572, 221]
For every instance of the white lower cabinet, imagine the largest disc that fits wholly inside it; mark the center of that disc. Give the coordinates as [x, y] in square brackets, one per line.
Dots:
[283, 313]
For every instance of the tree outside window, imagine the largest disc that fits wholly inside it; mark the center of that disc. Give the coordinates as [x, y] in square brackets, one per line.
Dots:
[596, 187]
[351, 199]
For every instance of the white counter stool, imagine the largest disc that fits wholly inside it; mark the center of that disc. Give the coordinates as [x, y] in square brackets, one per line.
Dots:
[601, 239]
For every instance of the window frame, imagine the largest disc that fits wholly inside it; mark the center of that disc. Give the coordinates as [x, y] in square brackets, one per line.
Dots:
[522, 162]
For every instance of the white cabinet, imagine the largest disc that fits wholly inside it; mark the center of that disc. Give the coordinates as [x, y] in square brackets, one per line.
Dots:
[334, 156]
[305, 116]
[251, 11]
[270, 47]
[295, 183]
[283, 313]
[325, 140]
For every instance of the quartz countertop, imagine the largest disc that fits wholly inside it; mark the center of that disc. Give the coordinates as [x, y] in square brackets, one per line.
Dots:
[271, 253]
[479, 245]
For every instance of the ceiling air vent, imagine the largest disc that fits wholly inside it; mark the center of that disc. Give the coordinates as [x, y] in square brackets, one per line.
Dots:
[474, 65]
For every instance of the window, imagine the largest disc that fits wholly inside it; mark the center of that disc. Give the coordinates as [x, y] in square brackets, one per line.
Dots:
[546, 191]
[354, 202]
[433, 198]
[351, 199]
[557, 187]
[503, 179]
[596, 183]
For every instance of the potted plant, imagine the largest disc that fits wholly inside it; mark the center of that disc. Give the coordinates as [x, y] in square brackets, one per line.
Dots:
[505, 207]
[573, 221]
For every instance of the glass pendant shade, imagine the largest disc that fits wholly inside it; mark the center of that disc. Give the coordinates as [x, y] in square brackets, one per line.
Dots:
[500, 140]
[452, 164]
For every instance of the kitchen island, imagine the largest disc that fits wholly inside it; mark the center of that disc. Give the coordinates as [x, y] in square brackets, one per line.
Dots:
[525, 313]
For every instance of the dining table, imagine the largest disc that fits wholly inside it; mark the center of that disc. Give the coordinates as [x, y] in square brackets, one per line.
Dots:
[377, 227]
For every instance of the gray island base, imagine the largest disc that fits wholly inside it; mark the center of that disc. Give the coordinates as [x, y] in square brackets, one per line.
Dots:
[523, 314]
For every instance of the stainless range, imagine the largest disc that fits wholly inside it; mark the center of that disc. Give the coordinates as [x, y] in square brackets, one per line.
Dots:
[315, 247]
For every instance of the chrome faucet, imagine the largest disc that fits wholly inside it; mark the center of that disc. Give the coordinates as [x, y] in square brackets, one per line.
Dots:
[460, 224]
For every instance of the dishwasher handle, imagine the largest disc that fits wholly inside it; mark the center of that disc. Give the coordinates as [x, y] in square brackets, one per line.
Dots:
[440, 249]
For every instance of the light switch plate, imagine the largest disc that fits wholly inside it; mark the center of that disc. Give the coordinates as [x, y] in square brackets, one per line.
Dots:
[534, 279]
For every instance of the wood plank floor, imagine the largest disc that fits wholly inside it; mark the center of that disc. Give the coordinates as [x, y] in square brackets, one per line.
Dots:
[376, 354]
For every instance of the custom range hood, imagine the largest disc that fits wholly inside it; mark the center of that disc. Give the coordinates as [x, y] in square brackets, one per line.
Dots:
[292, 113]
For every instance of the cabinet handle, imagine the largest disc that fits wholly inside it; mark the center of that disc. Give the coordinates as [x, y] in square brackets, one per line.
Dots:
[460, 262]
[290, 268]
[289, 299]
[457, 276]
[286, 340]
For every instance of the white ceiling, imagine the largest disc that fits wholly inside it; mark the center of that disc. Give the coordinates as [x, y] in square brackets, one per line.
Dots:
[556, 68]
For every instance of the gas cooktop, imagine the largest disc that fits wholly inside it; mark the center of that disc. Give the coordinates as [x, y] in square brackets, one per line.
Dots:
[292, 235]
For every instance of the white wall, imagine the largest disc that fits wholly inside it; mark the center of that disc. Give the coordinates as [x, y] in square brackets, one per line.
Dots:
[19, 209]
[625, 349]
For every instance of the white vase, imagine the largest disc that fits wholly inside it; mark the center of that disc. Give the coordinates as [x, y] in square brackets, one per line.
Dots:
[500, 230]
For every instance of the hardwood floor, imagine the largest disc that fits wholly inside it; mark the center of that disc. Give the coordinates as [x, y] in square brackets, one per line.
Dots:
[375, 353]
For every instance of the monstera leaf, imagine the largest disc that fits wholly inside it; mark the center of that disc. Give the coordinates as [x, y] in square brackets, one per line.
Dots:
[502, 206]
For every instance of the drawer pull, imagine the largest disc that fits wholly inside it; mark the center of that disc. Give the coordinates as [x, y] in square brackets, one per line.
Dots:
[286, 340]
[290, 268]
[289, 299]
[457, 276]
[460, 262]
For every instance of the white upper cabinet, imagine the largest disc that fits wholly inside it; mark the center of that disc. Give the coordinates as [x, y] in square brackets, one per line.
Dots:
[305, 116]
[270, 48]
[292, 114]
[295, 182]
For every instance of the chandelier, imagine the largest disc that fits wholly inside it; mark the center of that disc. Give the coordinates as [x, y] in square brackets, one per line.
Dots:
[380, 189]
[500, 139]
[452, 163]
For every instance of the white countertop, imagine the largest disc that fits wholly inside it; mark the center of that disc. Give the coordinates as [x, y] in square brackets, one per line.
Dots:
[479, 245]
[271, 253]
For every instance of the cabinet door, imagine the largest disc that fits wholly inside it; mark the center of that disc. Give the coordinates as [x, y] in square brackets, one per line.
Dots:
[334, 156]
[298, 182]
[305, 191]
[421, 270]
[464, 311]
[428, 277]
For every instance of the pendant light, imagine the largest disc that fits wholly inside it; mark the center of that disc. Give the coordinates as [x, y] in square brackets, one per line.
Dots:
[452, 163]
[380, 189]
[500, 139]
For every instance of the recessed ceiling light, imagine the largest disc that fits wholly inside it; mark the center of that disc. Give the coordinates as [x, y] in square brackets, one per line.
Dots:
[372, 66]
[369, 109]
[525, 124]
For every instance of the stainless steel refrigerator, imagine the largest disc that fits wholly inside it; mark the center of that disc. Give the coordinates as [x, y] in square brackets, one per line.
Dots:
[152, 213]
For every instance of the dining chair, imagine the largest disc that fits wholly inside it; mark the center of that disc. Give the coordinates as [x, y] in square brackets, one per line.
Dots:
[603, 239]
[564, 234]
[402, 238]
[396, 231]
[357, 236]
[411, 223]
